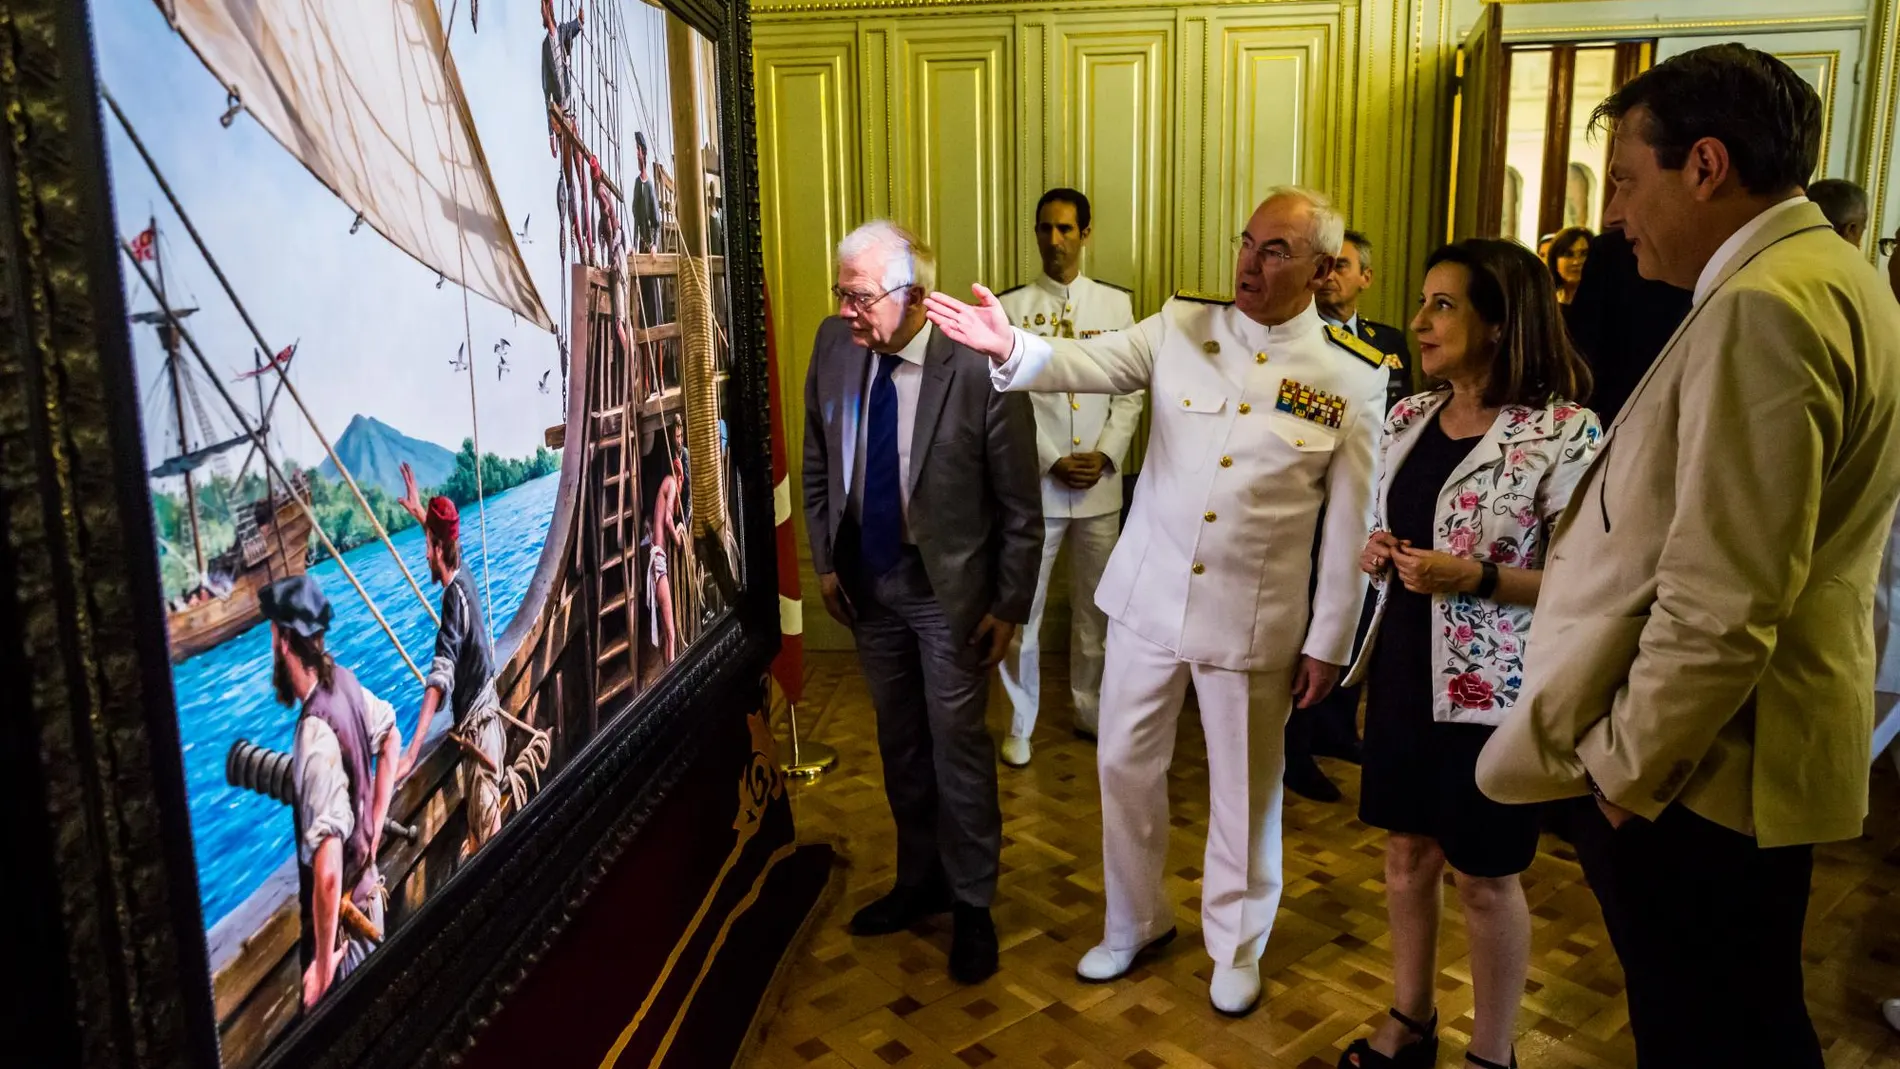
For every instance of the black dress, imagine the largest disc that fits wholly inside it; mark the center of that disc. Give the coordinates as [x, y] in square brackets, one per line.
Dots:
[1420, 776]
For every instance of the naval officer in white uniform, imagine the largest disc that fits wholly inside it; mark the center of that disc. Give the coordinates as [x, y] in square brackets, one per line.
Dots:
[1081, 444]
[1262, 416]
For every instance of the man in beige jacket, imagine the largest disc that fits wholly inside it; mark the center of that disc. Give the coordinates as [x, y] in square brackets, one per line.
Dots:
[1703, 644]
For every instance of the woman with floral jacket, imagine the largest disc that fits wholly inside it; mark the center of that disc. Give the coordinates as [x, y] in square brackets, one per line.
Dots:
[1471, 479]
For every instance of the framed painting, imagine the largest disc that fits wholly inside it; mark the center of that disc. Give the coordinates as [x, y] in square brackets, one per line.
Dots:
[387, 495]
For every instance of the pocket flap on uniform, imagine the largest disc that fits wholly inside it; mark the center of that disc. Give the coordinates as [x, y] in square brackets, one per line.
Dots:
[1199, 403]
[1303, 435]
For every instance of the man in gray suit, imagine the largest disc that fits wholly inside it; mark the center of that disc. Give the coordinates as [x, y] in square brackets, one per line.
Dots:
[925, 520]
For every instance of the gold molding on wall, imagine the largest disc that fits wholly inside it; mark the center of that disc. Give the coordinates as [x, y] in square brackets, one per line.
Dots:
[1675, 27]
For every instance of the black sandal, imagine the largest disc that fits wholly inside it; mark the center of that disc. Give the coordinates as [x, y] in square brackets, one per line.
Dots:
[1421, 1053]
[1486, 1063]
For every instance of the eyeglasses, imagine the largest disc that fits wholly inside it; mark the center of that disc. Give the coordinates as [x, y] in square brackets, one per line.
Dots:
[1886, 246]
[861, 301]
[1270, 256]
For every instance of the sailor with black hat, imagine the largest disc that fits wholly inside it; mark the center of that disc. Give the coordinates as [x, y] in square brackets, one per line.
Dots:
[341, 801]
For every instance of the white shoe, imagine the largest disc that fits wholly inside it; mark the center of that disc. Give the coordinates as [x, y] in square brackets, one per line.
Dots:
[1103, 964]
[1235, 990]
[1015, 752]
[1890, 1009]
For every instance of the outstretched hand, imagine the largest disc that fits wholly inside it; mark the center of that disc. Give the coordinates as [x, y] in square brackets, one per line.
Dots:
[411, 496]
[982, 326]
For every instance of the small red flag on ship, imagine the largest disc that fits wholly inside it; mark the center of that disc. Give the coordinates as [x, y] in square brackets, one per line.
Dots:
[282, 359]
[788, 668]
[145, 245]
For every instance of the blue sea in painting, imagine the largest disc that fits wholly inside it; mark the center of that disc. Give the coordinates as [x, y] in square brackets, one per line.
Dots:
[224, 694]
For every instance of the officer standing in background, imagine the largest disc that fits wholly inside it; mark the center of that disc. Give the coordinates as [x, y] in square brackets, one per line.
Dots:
[1263, 417]
[1331, 728]
[1081, 444]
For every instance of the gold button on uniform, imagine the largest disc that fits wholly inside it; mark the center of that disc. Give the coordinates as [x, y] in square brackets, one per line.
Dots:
[1077, 405]
[1199, 568]
[1185, 403]
[1299, 441]
[1245, 408]
[1209, 517]
[1259, 358]
[1075, 441]
[1227, 462]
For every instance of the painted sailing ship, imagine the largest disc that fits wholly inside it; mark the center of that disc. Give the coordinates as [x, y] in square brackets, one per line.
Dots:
[271, 535]
[573, 652]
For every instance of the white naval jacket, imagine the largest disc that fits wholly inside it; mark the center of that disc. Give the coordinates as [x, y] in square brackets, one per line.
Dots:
[1077, 422]
[1216, 559]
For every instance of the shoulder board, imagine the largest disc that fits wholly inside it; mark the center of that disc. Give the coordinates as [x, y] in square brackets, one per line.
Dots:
[1113, 286]
[1007, 292]
[1351, 342]
[1201, 298]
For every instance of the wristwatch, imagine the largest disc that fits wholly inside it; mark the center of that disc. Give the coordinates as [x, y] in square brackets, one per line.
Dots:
[1487, 579]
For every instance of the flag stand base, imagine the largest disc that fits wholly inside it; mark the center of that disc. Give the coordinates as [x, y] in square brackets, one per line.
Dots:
[809, 760]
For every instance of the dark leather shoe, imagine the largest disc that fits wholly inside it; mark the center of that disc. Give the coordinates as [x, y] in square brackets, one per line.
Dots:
[1304, 778]
[901, 909]
[1343, 751]
[973, 947]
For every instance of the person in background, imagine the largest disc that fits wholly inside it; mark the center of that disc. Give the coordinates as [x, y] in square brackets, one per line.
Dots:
[341, 801]
[1704, 633]
[1266, 420]
[1569, 251]
[1619, 321]
[1470, 481]
[1543, 246]
[1887, 681]
[1331, 728]
[926, 534]
[1844, 204]
[1081, 444]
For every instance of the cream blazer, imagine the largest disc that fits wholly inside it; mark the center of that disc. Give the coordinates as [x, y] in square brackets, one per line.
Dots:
[1705, 628]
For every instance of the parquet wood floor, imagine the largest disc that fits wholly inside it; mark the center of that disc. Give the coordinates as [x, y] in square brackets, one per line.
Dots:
[879, 1003]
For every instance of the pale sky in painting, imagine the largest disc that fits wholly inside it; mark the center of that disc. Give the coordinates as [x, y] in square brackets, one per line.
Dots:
[375, 335]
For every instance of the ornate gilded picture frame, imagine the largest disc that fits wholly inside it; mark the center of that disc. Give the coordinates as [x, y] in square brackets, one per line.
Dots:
[385, 509]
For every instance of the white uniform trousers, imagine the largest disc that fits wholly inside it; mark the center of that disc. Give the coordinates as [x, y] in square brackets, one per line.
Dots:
[1244, 715]
[1090, 540]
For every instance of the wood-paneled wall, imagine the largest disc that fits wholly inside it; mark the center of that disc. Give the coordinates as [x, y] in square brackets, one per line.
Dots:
[953, 118]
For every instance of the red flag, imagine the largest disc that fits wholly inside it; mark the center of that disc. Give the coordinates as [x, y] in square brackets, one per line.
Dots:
[145, 246]
[788, 668]
[282, 360]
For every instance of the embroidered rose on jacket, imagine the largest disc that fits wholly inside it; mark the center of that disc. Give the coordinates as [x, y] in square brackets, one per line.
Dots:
[1562, 413]
[1470, 691]
[1502, 551]
[1463, 634]
[1518, 457]
[1527, 517]
[1461, 541]
[1468, 501]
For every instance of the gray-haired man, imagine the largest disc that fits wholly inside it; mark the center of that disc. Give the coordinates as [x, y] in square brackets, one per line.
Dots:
[926, 532]
[1262, 417]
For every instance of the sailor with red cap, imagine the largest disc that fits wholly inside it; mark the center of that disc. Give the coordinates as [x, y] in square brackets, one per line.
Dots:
[462, 674]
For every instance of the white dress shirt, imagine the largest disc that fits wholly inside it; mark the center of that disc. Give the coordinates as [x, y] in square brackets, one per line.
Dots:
[1069, 423]
[907, 378]
[1706, 281]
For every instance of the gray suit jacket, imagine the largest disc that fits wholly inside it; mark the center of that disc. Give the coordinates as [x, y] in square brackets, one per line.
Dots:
[975, 506]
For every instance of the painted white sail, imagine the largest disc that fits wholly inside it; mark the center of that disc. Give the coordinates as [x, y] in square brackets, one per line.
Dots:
[366, 95]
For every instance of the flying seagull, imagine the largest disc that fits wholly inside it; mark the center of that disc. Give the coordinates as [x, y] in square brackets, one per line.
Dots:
[544, 380]
[523, 232]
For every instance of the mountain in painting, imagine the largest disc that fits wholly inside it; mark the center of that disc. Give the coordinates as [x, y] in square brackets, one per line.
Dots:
[375, 452]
